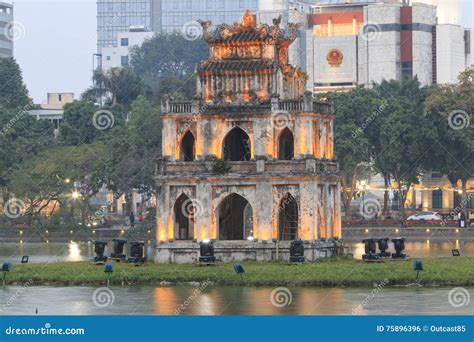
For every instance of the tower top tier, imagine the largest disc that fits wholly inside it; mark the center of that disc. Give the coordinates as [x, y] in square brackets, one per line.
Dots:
[249, 62]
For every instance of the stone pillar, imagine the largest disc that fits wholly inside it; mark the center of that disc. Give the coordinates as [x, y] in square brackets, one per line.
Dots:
[322, 140]
[161, 213]
[306, 209]
[337, 211]
[262, 211]
[329, 209]
[205, 227]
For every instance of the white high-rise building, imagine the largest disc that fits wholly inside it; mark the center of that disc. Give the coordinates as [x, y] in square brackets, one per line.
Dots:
[6, 29]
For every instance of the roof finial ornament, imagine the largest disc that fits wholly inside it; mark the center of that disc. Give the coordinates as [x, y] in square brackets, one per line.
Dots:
[248, 20]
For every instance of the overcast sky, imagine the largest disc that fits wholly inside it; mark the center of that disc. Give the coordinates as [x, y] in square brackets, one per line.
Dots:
[59, 38]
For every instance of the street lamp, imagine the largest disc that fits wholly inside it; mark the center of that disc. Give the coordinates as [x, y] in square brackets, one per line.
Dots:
[363, 187]
[75, 194]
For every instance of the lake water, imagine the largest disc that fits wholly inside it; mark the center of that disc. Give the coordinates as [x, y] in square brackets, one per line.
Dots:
[56, 252]
[228, 301]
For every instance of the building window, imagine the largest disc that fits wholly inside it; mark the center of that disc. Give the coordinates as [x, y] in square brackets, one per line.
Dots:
[407, 69]
[60, 98]
[108, 58]
[124, 42]
[124, 60]
[437, 198]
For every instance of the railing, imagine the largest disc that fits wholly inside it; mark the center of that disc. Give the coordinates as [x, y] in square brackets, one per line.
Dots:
[196, 107]
[180, 107]
[291, 105]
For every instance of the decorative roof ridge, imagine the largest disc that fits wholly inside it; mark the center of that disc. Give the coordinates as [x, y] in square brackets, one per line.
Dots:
[248, 26]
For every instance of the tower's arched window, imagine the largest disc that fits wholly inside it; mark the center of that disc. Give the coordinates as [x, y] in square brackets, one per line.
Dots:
[286, 145]
[235, 217]
[184, 218]
[288, 218]
[187, 147]
[236, 145]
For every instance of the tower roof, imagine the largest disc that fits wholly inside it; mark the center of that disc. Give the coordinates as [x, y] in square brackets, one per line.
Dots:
[249, 31]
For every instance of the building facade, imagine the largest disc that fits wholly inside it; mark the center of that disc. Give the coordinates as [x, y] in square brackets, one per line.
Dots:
[6, 22]
[53, 108]
[361, 42]
[118, 55]
[248, 163]
[118, 16]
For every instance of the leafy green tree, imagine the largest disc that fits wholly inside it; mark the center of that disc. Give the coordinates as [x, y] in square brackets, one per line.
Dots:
[355, 110]
[13, 92]
[132, 151]
[168, 55]
[450, 107]
[84, 122]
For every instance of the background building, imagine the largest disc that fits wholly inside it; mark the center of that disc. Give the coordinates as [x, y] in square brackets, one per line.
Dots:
[119, 54]
[6, 18]
[114, 17]
[361, 42]
[53, 108]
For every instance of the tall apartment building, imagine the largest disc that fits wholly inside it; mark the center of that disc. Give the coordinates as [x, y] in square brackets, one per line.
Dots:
[6, 19]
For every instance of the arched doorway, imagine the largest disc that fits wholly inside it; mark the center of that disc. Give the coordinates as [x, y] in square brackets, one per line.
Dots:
[235, 217]
[187, 147]
[288, 218]
[286, 145]
[236, 145]
[184, 218]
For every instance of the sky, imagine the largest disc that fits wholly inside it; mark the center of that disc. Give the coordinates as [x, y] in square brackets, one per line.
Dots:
[58, 40]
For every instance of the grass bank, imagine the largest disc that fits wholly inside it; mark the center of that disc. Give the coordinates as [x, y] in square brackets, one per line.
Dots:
[341, 272]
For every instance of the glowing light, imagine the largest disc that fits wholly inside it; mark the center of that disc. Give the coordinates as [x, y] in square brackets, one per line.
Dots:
[75, 194]
[250, 238]
[457, 230]
[74, 251]
[366, 230]
[206, 241]
[427, 230]
[72, 232]
[94, 224]
[21, 232]
[397, 230]
[21, 241]
[67, 181]
[93, 232]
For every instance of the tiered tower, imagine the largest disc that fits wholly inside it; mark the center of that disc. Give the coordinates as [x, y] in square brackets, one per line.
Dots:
[248, 163]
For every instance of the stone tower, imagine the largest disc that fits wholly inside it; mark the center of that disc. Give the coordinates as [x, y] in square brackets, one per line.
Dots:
[248, 163]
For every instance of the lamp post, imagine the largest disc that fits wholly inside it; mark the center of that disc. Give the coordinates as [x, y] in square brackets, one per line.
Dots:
[363, 187]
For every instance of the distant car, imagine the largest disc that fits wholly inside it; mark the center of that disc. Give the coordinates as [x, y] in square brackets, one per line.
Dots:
[425, 216]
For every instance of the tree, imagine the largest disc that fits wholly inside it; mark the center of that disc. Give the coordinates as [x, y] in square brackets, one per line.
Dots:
[13, 92]
[84, 122]
[354, 112]
[132, 151]
[168, 55]
[450, 107]
[408, 140]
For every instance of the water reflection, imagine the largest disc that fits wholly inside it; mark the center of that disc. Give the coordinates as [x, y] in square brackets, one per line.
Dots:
[422, 249]
[230, 301]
